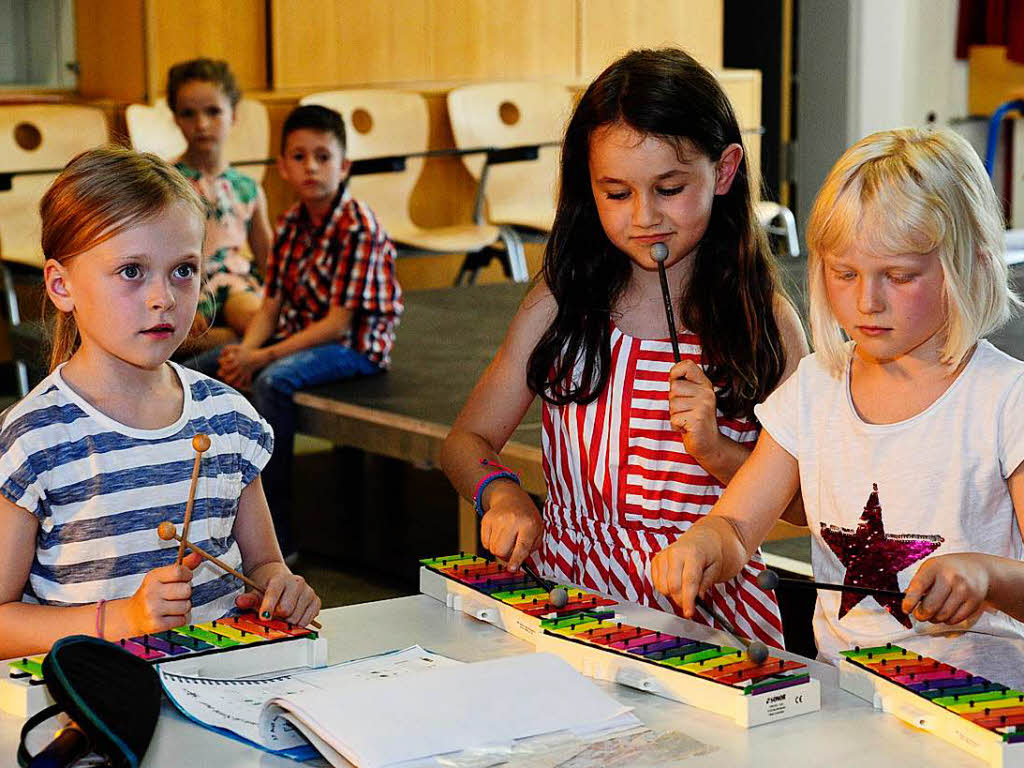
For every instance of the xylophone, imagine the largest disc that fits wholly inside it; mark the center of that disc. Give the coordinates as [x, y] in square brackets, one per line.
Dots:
[970, 712]
[589, 634]
[237, 646]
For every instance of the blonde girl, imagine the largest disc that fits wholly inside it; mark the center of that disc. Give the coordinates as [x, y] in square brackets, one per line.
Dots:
[905, 429]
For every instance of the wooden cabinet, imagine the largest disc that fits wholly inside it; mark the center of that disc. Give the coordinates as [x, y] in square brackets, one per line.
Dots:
[387, 42]
[125, 47]
[609, 28]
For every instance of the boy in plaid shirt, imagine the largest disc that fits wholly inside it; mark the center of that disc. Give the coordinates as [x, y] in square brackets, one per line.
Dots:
[331, 299]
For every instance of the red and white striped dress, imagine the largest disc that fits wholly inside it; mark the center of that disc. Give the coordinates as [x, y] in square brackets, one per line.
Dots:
[621, 487]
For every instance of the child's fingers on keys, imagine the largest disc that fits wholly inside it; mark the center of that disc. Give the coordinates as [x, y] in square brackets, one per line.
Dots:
[486, 528]
[503, 541]
[708, 579]
[295, 598]
[303, 603]
[672, 573]
[657, 572]
[692, 576]
[965, 610]
[932, 601]
[918, 587]
[520, 551]
[310, 613]
[247, 601]
[271, 598]
[176, 608]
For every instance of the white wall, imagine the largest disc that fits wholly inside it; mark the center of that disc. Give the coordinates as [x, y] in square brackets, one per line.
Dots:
[902, 66]
[866, 66]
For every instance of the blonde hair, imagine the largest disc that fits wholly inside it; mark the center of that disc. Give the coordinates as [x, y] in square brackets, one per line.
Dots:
[99, 194]
[914, 191]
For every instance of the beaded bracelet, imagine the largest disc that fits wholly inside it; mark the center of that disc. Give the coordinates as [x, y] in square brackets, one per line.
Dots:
[501, 472]
[99, 618]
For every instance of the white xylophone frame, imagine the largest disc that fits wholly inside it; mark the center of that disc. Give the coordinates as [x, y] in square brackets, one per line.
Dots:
[919, 712]
[603, 664]
[22, 698]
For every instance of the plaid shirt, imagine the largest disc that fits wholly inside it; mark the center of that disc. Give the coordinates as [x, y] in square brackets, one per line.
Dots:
[349, 262]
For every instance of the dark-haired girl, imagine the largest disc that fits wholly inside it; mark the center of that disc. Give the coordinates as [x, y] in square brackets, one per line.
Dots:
[636, 447]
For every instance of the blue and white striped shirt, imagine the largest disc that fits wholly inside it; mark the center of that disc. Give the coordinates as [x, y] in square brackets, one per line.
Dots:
[100, 489]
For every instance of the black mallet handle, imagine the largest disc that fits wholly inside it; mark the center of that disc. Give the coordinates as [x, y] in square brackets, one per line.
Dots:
[769, 579]
[659, 252]
[756, 650]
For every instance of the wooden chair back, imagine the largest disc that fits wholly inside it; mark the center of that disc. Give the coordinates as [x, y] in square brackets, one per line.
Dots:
[38, 137]
[151, 128]
[508, 115]
[382, 123]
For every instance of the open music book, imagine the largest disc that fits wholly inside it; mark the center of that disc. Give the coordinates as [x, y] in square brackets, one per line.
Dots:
[402, 708]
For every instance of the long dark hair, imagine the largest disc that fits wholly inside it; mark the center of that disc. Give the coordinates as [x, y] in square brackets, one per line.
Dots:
[729, 302]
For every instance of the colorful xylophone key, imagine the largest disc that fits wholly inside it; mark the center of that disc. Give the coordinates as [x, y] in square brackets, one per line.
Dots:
[229, 647]
[719, 663]
[587, 632]
[970, 711]
[515, 589]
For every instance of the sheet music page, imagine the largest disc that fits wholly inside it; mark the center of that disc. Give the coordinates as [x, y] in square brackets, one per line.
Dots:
[235, 705]
[380, 721]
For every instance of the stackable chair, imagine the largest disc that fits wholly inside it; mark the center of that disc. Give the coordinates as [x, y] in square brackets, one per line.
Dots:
[522, 124]
[151, 128]
[36, 141]
[387, 139]
[779, 221]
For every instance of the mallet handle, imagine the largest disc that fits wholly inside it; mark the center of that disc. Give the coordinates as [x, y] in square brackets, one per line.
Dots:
[871, 591]
[670, 314]
[188, 506]
[224, 566]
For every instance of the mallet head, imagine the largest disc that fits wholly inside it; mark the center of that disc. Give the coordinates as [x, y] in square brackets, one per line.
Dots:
[558, 597]
[659, 252]
[768, 579]
[757, 652]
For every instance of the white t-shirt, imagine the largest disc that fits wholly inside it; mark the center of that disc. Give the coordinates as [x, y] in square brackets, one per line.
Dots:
[941, 488]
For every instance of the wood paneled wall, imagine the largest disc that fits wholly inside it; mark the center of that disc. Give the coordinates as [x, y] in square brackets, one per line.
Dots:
[281, 50]
[125, 47]
[386, 42]
[609, 28]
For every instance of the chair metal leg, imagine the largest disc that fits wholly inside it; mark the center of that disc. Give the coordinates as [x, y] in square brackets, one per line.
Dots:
[21, 370]
[792, 237]
[14, 318]
[516, 254]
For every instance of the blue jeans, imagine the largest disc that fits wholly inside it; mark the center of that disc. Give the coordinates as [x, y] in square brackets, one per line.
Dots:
[271, 393]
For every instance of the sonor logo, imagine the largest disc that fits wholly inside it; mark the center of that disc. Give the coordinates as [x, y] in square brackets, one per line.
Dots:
[774, 699]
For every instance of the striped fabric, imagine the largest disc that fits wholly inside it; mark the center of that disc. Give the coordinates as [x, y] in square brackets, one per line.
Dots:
[349, 262]
[621, 487]
[100, 489]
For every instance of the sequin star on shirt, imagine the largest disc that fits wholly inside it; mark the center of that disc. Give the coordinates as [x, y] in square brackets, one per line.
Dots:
[874, 558]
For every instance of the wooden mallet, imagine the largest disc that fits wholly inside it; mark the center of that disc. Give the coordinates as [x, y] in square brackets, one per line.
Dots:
[167, 532]
[201, 444]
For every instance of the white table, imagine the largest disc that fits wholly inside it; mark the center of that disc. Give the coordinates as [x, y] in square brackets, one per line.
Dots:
[846, 732]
